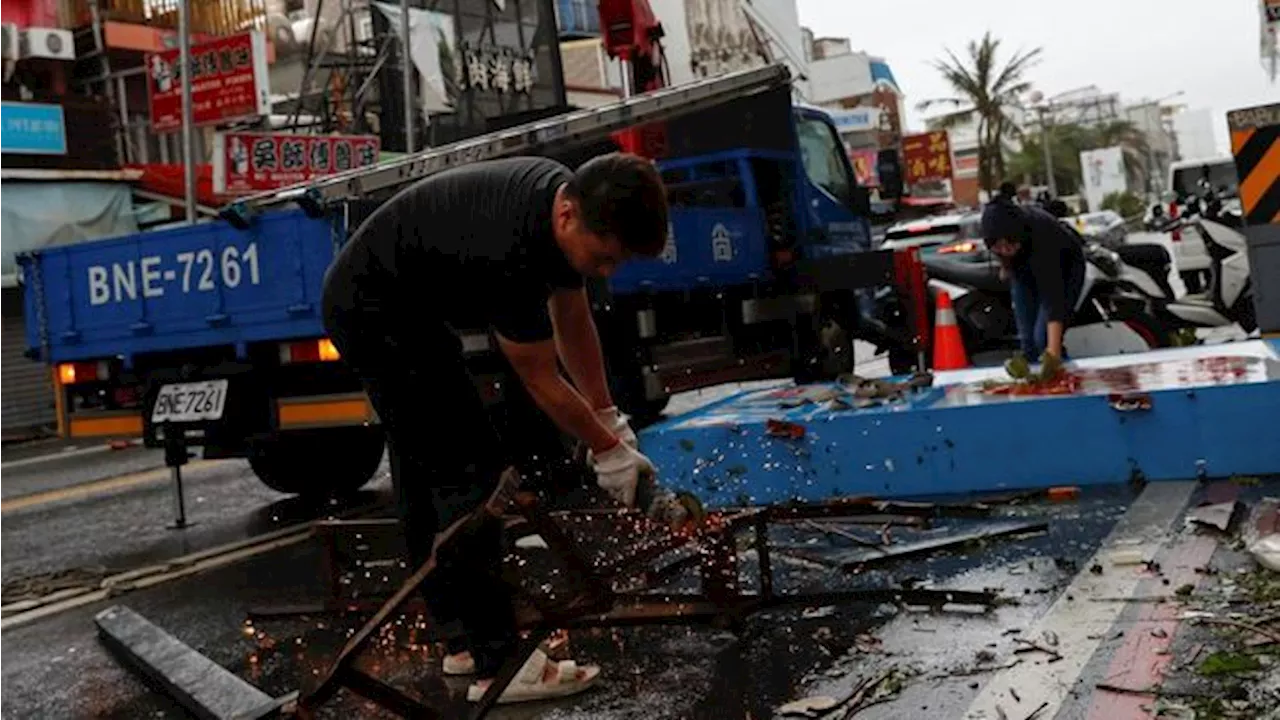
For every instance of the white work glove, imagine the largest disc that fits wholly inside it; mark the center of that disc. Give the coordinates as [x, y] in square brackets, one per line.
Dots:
[620, 470]
[612, 418]
[630, 478]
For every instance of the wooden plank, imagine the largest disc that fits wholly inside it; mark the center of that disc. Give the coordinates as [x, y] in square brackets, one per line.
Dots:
[202, 687]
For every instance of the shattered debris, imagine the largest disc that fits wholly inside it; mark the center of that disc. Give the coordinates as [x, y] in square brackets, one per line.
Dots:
[810, 706]
[1220, 516]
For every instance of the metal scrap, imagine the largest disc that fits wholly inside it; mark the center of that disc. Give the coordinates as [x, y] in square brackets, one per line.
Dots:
[856, 561]
[784, 429]
[1219, 516]
[1031, 646]
[842, 534]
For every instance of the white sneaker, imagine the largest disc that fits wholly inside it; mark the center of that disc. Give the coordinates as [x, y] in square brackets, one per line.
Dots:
[459, 664]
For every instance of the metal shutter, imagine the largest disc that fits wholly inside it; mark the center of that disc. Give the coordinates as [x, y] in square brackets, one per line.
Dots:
[26, 403]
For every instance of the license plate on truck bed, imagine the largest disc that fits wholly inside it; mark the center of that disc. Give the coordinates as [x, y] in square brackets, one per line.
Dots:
[190, 402]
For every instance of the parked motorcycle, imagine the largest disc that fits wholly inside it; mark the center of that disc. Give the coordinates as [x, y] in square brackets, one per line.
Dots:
[1112, 316]
[1228, 297]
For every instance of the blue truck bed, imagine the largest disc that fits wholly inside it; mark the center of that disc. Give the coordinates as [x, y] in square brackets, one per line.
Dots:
[193, 286]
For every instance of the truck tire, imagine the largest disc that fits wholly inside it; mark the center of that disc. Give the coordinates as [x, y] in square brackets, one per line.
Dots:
[826, 352]
[902, 361]
[628, 394]
[320, 463]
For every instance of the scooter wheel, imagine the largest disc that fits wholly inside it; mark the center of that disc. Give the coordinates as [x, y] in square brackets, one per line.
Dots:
[1150, 329]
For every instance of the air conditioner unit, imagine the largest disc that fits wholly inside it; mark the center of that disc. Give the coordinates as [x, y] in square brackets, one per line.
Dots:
[50, 43]
[12, 43]
[8, 50]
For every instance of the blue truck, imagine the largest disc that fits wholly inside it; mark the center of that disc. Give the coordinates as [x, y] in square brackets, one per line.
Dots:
[215, 327]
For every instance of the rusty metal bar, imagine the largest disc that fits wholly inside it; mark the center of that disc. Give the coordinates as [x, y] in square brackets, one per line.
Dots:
[762, 553]
[372, 688]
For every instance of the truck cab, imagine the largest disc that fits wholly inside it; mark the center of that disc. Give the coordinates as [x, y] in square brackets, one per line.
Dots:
[757, 279]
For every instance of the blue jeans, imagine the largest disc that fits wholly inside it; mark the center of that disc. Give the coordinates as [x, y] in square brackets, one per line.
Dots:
[1031, 314]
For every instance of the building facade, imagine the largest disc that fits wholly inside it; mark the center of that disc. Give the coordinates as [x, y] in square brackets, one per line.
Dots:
[868, 105]
[1194, 130]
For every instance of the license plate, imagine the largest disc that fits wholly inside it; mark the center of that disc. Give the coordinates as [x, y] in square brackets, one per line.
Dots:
[190, 402]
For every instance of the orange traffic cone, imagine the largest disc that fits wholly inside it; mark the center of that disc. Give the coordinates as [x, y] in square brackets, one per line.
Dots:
[948, 347]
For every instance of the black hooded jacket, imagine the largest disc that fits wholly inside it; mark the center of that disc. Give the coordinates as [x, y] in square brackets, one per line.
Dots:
[1051, 252]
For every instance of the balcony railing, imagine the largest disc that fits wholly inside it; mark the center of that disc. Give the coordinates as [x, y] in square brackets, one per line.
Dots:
[208, 17]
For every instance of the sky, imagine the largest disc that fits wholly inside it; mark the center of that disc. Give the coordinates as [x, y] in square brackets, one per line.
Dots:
[1142, 49]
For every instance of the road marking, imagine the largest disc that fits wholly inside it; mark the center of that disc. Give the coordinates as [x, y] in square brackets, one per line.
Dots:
[121, 482]
[1144, 657]
[156, 574]
[27, 611]
[1082, 625]
[70, 453]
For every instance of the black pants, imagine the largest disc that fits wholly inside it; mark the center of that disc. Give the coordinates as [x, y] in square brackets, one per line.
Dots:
[446, 458]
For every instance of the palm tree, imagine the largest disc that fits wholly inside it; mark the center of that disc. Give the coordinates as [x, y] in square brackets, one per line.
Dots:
[987, 92]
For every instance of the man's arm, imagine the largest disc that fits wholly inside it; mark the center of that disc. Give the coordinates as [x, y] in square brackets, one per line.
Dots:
[535, 363]
[578, 343]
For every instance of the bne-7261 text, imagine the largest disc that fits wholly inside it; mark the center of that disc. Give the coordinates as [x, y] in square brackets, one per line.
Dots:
[190, 271]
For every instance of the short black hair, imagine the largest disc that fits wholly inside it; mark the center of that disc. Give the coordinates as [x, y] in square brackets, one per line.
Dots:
[1008, 189]
[1003, 219]
[621, 195]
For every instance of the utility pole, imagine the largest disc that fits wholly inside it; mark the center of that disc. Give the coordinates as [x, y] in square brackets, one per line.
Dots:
[406, 69]
[1048, 154]
[188, 134]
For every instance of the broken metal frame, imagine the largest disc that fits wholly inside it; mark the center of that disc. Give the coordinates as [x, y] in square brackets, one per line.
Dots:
[721, 603]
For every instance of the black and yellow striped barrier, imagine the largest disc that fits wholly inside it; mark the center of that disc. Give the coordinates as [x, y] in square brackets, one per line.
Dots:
[1255, 143]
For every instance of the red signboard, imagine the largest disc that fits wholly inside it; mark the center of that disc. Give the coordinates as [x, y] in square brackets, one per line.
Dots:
[866, 167]
[926, 157]
[228, 82]
[250, 162]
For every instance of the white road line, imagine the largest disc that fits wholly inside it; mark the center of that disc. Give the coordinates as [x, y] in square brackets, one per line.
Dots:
[182, 569]
[1080, 624]
[24, 612]
[76, 452]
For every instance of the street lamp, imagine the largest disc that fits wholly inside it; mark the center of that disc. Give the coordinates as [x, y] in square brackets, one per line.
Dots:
[1042, 109]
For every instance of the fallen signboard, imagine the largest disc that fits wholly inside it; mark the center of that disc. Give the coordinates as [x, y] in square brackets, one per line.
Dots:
[250, 162]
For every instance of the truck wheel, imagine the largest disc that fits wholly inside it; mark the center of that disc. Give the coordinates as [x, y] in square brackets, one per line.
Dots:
[320, 463]
[825, 354]
[902, 361]
[630, 399]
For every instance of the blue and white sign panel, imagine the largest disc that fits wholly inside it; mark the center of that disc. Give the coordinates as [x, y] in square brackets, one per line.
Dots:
[856, 119]
[32, 129]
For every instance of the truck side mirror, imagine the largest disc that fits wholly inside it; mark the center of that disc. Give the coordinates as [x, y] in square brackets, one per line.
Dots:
[860, 201]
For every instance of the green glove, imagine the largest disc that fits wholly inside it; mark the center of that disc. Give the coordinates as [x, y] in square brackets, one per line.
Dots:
[1018, 367]
[1050, 367]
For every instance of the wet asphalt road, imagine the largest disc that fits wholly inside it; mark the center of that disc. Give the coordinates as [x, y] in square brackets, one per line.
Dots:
[55, 667]
[96, 514]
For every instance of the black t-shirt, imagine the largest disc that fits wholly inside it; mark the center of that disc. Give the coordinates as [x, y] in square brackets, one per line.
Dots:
[471, 244]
